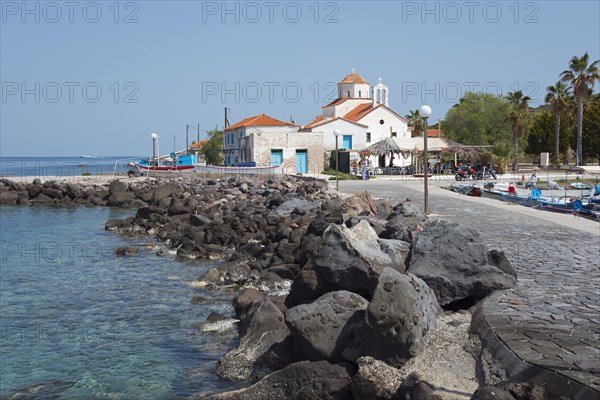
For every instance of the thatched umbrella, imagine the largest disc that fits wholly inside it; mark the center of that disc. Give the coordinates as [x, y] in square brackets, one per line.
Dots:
[385, 146]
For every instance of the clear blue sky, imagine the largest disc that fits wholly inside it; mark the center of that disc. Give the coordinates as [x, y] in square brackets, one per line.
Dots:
[175, 59]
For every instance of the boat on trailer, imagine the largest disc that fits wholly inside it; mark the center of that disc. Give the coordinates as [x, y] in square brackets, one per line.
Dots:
[173, 163]
[240, 169]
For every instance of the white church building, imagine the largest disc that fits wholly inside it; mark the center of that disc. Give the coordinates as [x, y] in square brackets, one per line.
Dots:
[363, 116]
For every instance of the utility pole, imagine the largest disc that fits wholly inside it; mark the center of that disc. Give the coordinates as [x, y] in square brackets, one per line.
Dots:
[198, 131]
[187, 141]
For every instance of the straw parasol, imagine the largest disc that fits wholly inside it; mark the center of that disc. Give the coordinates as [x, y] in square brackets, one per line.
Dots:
[385, 146]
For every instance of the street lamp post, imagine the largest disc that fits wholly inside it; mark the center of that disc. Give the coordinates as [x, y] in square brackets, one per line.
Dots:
[154, 136]
[424, 113]
[336, 133]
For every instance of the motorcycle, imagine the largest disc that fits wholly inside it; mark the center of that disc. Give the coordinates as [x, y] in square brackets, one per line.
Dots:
[465, 173]
[486, 173]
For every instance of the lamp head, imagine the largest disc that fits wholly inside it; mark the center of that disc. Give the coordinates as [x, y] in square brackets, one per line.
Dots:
[154, 136]
[424, 111]
[336, 132]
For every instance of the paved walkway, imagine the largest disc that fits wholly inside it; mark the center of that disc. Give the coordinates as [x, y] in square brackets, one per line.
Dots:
[552, 318]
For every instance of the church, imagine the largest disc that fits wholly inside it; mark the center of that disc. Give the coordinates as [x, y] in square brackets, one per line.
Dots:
[361, 113]
[363, 116]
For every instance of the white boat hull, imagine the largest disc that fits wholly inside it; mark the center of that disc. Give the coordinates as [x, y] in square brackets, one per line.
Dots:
[214, 169]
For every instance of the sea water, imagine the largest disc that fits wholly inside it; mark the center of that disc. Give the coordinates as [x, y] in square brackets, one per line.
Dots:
[83, 323]
[64, 167]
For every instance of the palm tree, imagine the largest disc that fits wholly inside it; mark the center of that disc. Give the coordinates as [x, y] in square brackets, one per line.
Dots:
[415, 121]
[518, 115]
[582, 77]
[558, 97]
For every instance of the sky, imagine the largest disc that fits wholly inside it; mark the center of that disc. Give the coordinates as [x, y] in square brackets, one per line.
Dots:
[97, 78]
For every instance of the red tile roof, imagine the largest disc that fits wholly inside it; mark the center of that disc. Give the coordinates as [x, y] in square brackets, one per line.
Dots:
[340, 101]
[321, 121]
[434, 133]
[359, 111]
[314, 122]
[336, 102]
[199, 144]
[260, 120]
[353, 77]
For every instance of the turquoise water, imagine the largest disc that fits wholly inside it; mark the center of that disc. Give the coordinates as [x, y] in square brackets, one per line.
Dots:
[112, 327]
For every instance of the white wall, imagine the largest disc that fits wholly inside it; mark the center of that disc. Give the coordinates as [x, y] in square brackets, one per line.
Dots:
[390, 121]
[354, 89]
[346, 128]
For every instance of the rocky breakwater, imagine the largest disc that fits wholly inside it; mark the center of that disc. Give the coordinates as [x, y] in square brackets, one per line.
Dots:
[115, 194]
[336, 296]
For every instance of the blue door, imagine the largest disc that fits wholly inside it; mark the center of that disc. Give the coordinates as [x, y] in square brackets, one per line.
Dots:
[276, 157]
[301, 162]
[347, 142]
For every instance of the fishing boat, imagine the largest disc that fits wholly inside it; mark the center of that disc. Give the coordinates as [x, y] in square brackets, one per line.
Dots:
[243, 169]
[577, 208]
[469, 190]
[172, 163]
[581, 185]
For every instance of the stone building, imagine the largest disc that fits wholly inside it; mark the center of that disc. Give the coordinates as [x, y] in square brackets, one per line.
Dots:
[265, 140]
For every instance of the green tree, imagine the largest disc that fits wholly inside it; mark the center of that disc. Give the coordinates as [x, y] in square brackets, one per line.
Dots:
[478, 119]
[213, 149]
[591, 129]
[415, 121]
[558, 97]
[582, 76]
[541, 138]
[519, 117]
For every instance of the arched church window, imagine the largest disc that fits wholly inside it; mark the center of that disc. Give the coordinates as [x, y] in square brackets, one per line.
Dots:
[359, 93]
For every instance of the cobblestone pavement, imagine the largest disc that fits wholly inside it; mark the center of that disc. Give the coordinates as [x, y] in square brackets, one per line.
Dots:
[552, 318]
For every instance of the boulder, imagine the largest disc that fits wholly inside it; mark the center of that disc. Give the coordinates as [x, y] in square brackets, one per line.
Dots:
[405, 222]
[42, 198]
[298, 381]
[398, 321]
[491, 393]
[52, 192]
[413, 388]
[397, 250]
[126, 250]
[227, 274]
[264, 339]
[321, 329]
[375, 380]
[117, 187]
[296, 205]
[34, 190]
[73, 190]
[120, 199]
[351, 259]
[199, 220]
[147, 212]
[305, 288]
[359, 204]
[8, 197]
[453, 260]
[163, 191]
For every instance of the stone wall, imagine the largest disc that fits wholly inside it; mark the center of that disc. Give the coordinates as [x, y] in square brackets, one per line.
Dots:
[263, 142]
